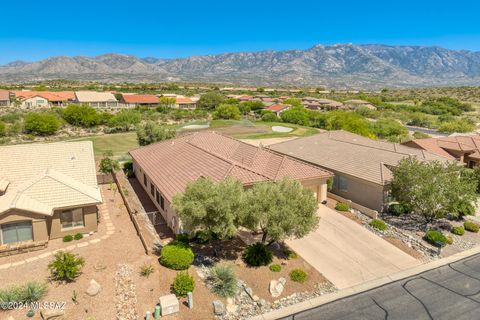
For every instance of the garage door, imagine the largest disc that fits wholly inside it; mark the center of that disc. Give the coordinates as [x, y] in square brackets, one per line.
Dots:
[16, 232]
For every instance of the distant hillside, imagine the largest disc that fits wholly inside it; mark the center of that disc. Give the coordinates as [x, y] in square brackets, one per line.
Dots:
[337, 66]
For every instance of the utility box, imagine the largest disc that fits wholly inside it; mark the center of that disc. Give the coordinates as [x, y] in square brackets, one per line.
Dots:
[169, 304]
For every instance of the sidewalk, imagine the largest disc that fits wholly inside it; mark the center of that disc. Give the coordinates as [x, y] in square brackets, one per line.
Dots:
[309, 304]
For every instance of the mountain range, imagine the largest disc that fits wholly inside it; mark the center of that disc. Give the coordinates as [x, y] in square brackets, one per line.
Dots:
[335, 66]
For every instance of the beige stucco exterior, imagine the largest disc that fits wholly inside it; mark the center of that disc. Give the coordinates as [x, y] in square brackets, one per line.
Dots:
[318, 186]
[45, 228]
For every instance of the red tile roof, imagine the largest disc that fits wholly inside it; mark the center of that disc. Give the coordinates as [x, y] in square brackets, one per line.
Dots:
[60, 96]
[140, 98]
[278, 107]
[172, 164]
[4, 95]
[184, 101]
[441, 146]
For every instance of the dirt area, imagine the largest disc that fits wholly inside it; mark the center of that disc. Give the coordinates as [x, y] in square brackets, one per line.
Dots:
[102, 260]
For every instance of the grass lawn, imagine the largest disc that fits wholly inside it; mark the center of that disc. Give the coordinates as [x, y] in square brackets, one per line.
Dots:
[298, 131]
[119, 143]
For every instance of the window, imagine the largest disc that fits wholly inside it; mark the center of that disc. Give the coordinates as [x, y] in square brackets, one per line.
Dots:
[157, 197]
[16, 232]
[342, 184]
[472, 164]
[162, 203]
[152, 189]
[145, 181]
[72, 218]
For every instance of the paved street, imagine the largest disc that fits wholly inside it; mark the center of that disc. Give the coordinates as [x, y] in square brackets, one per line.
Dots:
[347, 253]
[448, 292]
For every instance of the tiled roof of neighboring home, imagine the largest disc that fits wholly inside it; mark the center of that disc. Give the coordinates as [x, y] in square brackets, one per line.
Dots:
[140, 98]
[172, 164]
[92, 96]
[466, 144]
[278, 107]
[43, 177]
[184, 100]
[60, 96]
[352, 154]
[4, 95]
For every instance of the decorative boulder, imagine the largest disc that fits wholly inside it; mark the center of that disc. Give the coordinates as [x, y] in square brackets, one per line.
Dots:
[218, 308]
[276, 287]
[93, 288]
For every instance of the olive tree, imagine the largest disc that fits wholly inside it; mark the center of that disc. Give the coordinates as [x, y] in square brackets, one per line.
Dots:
[280, 210]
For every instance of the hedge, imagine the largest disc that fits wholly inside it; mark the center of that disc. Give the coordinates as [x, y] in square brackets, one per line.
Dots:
[177, 256]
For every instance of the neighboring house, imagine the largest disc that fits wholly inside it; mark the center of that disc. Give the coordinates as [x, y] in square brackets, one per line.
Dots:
[278, 108]
[322, 104]
[465, 149]
[4, 98]
[362, 167]
[42, 99]
[165, 168]
[47, 191]
[96, 99]
[355, 104]
[132, 100]
[185, 103]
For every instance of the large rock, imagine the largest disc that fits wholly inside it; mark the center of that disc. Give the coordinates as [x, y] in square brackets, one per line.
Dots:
[276, 287]
[218, 308]
[169, 304]
[93, 288]
[52, 314]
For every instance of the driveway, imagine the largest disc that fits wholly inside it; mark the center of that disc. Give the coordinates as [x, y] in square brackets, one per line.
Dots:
[347, 253]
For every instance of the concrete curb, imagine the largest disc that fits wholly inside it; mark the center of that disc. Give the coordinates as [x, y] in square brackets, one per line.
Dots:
[318, 301]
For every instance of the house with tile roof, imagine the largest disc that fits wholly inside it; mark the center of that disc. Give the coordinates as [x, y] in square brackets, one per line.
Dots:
[362, 167]
[133, 100]
[4, 98]
[43, 99]
[96, 99]
[47, 191]
[278, 108]
[165, 168]
[463, 148]
[185, 102]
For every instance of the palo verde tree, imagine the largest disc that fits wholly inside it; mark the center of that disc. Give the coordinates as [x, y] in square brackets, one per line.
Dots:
[151, 132]
[280, 210]
[434, 189]
[211, 206]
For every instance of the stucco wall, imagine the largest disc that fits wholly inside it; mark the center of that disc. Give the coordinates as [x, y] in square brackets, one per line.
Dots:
[360, 191]
[89, 218]
[39, 222]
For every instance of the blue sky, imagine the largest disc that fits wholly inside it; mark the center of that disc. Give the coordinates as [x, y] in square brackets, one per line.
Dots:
[32, 30]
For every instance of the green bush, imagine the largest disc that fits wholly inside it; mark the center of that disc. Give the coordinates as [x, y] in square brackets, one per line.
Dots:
[66, 266]
[459, 231]
[270, 117]
[257, 254]
[226, 111]
[298, 275]
[397, 209]
[182, 237]
[378, 224]
[177, 256]
[183, 284]
[67, 238]
[202, 237]
[340, 206]
[435, 237]
[81, 115]
[29, 292]
[275, 268]
[42, 123]
[471, 226]
[78, 236]
[449, 239]
[223, 281]
[290, 254]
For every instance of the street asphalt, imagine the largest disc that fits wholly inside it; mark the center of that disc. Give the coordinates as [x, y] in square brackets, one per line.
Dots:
[449, 292]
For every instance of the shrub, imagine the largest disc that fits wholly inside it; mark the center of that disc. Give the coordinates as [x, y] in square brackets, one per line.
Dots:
[42, 123]
[435, 238]
[81, 115]
[290, 254]
[177, 256]
[449, 239]
[152, 132]
[378, 224]
[226, 111]
[108, 164]
[275, 268]
[397, 209]
[182, 237]
[270, 117]
[470, 226]
[257, 254]
[67, 238]
[78, 236]
[29, 292]
[222, 280]
[183, 284]
[340, 206]
[202, 237]
[146, 270]
[125, 120]
[459, 231]
[66, 266]
[298, 275]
